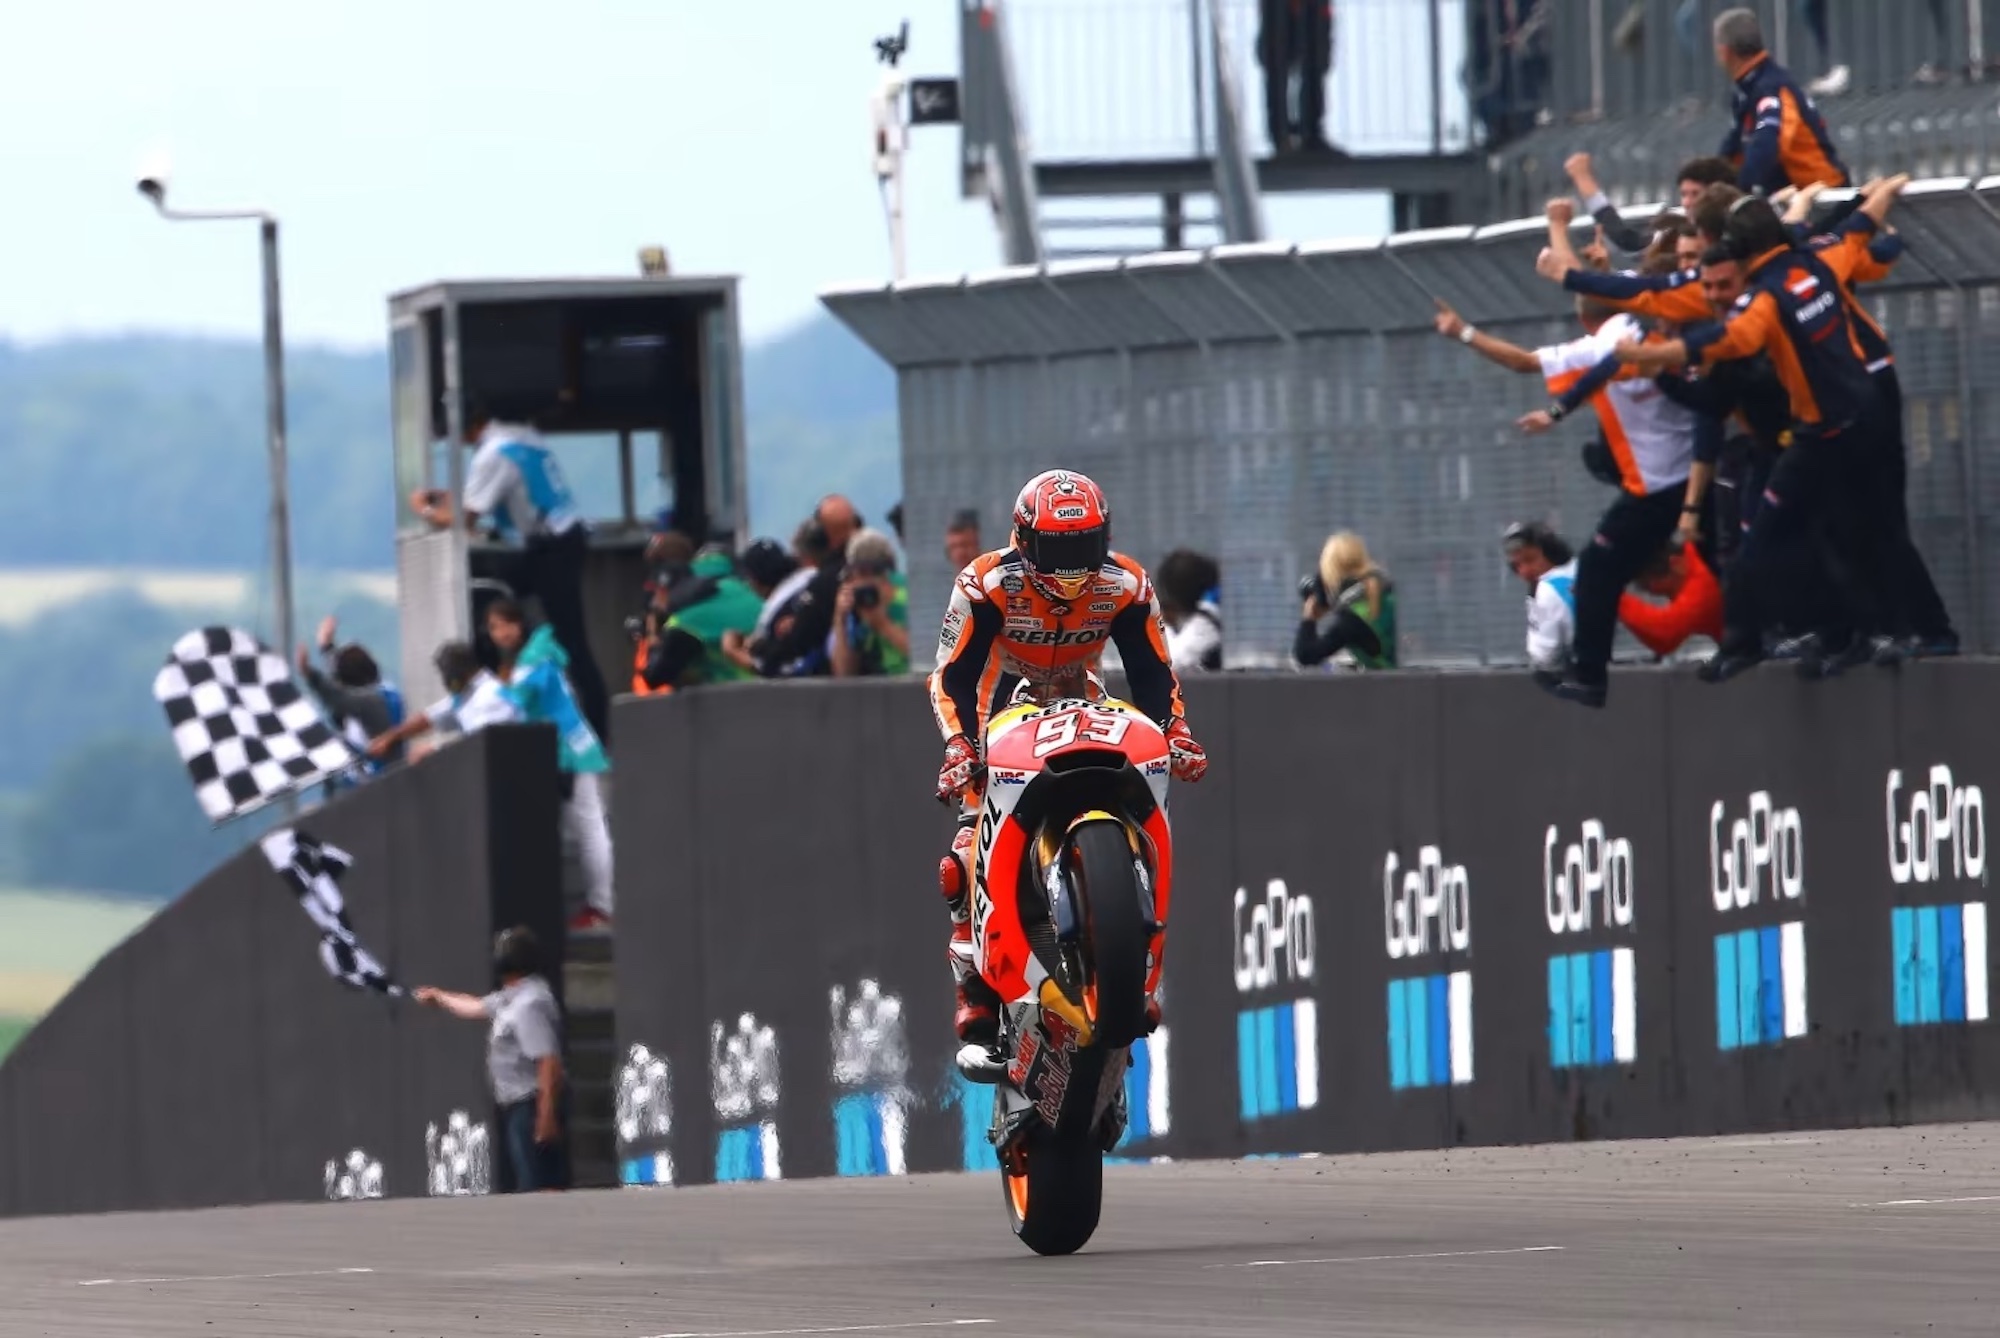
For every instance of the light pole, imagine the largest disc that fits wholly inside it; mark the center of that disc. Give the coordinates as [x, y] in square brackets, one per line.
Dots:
[154, 188]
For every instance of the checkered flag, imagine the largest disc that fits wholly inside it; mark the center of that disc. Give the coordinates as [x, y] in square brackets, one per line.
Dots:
[313, 872]
[246, 732]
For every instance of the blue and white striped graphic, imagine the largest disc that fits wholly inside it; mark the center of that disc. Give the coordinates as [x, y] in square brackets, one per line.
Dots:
[749, 1153]
[869, 1132]
[1277, 1059]
[1430, 1030]
[1593, 1009]
[1760, 985]
[1940, 963]
[656, 1168]
[1148, 1110]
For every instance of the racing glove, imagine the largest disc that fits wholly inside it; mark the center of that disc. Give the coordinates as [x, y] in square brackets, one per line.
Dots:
[961, 767]
[1188, 758]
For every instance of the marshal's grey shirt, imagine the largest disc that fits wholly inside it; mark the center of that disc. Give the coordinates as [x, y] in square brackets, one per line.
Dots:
[527, 1028]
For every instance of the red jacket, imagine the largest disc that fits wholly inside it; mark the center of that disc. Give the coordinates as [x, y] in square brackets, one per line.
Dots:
[1695, 611]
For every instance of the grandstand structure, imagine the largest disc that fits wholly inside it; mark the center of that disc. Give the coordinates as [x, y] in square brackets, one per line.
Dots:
[1246, 395]
[1112, 126]
[1249, 399]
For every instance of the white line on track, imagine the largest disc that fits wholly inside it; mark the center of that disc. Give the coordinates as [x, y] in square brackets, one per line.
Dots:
[845, 1328]
[1913, 1203]
[223, 1277]
[1387, 1258]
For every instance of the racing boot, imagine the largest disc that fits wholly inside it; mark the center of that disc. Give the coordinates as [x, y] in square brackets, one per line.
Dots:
[977, 1017]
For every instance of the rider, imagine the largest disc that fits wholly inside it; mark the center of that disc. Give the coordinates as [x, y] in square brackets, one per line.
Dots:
[1041, 611]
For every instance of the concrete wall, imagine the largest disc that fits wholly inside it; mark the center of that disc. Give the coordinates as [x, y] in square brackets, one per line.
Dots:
[778, 844]
[209, 1058]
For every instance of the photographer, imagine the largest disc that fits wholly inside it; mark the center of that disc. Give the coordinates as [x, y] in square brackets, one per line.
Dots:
[1362, 601]
[871, 614]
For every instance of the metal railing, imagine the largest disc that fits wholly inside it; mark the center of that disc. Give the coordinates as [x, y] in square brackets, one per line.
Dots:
[1247, 401]
[1129, 80]
[1630, 58]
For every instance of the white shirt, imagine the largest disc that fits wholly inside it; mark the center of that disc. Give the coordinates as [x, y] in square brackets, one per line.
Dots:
[517, 482]
[1552, 619]
[484, 702]
[1651, 437]
[1196, 645]
[781, 595]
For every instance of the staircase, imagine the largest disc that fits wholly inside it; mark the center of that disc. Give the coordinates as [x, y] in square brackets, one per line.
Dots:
[589, 1003]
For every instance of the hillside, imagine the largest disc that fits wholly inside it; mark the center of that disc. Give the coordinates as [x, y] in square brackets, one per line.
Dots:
[146, 455]
[147, 451]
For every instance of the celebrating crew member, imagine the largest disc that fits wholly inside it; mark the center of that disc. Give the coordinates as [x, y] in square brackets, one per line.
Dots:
[1794, 313]
[1778, 137]
[1042, 610]
[1652, 439]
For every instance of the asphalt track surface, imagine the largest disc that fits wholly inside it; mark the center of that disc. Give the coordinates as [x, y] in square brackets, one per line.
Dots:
[1866, 1233]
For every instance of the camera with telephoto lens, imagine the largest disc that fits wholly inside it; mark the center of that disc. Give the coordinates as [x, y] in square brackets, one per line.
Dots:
[1312, 587]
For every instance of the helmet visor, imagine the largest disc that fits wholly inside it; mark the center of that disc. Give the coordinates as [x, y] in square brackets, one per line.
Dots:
[1073, 556]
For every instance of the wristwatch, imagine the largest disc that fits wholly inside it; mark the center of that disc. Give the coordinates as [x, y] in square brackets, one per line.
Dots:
[1466, 335]
[1557, 411]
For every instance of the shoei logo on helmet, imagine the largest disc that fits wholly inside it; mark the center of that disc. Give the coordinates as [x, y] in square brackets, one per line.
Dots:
[1071, 512]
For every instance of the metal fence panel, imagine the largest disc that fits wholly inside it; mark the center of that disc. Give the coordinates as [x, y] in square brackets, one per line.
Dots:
[1254, 447]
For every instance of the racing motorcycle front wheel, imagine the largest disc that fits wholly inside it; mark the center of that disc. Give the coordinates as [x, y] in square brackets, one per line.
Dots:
[1054, 1189]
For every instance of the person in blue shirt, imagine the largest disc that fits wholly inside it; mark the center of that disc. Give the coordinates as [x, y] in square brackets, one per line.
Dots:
[516, 486]
[532, 666]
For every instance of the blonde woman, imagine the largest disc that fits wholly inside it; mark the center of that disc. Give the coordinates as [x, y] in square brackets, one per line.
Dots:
[1362, 601]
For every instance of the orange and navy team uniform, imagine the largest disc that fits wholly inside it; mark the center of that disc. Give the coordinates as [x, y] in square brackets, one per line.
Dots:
[999, 629]
[1796, 313]
[1856, 255]
[1777, 137]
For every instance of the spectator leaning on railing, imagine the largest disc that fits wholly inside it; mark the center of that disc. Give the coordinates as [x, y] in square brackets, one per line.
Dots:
[474, 698]
[1362, 601]
[871, 624]
[361, 704]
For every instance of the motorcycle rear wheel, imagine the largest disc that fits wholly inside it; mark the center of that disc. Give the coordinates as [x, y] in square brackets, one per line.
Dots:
[1054, 1204]
[1120, 938]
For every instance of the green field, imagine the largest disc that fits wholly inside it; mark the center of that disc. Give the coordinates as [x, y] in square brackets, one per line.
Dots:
[12, 1029]
[48, 940]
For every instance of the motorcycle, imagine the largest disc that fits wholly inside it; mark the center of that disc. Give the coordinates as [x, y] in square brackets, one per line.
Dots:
[1072, 875]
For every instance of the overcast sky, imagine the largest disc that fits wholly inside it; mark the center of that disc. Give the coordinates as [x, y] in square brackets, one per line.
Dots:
[408, 140]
